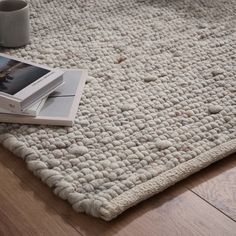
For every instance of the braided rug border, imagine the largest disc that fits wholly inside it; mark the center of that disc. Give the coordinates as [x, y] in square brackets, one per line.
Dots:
[138, 193]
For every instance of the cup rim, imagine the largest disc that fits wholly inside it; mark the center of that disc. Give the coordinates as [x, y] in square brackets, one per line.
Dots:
[23, 1]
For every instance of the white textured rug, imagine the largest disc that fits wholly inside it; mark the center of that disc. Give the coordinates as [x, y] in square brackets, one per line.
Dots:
[160, 103]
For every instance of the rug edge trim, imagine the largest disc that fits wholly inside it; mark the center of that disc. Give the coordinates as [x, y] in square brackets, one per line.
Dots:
[140, 192]
[158, 184]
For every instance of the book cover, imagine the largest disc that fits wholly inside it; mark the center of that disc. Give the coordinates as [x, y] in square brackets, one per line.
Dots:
[24, 83]
[61, 106]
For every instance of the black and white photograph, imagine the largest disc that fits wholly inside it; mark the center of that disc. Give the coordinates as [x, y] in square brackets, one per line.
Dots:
[16, 75]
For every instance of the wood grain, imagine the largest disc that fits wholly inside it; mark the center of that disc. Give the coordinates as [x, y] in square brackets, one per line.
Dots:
[218, 186]
[22, 213]
[176, 211]
[173, 212]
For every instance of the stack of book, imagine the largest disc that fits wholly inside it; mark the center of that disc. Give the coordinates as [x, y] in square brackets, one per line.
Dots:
[35, 94]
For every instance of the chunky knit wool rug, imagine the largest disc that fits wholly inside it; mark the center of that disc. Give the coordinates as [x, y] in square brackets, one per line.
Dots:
[159, 105]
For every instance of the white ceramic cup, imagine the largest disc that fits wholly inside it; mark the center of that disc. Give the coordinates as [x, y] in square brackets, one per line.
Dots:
[14, 23]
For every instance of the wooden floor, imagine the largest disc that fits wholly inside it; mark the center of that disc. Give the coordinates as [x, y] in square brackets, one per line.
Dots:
[204, 204]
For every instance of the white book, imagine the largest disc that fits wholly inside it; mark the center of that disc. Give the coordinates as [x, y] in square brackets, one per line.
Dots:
[31, 111]
[61, 106]
[23, 83]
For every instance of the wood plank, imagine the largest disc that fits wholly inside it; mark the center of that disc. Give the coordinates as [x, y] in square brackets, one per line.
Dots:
[173, 212]
[218, 186]
[23, 213]
[176, 211]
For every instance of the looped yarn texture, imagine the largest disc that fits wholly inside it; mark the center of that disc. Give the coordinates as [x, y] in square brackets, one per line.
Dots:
[159, 105]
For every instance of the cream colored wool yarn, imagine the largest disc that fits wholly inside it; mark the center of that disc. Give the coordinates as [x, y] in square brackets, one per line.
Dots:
[159, 105]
